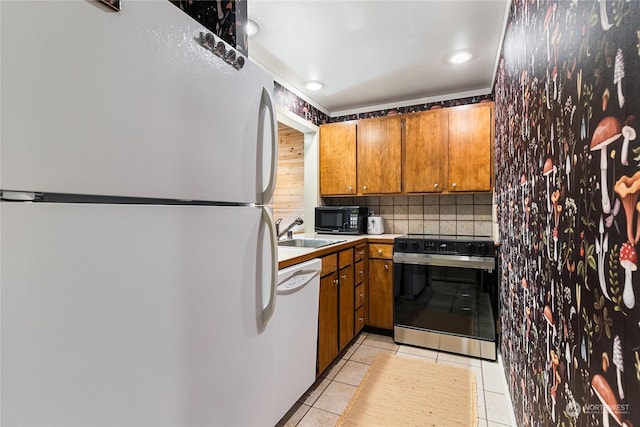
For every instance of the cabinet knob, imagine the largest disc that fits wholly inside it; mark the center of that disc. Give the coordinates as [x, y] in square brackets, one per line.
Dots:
[344, 277]
[361, 272]
[364, 188]
[361, 253]
[435, 185]
[361, 319]
[386, 266]
[335, 281]
[361, 295]
[454, 185]
[380, 251]
[350, 189]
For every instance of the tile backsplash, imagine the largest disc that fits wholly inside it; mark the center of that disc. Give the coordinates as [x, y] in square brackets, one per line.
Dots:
[452, 214]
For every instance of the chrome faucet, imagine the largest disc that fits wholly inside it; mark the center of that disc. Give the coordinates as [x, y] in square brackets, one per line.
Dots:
[287, 230]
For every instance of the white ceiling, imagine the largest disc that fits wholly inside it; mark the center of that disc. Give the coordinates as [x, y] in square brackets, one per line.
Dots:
[374, 53]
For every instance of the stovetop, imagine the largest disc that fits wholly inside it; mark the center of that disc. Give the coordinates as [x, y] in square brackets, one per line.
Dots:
[444, 244]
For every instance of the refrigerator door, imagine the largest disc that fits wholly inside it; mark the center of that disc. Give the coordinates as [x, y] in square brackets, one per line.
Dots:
[153, 317]
[128, 103]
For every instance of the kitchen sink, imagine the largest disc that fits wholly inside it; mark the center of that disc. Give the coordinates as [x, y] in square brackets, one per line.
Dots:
[308, 243]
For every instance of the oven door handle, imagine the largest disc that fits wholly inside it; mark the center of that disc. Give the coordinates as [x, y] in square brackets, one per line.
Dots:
[462, 261]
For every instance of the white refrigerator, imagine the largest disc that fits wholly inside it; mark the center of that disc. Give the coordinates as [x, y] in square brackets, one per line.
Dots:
[137, 263]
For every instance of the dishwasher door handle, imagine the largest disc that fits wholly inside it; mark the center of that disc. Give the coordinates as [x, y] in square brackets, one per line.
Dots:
[296, 281]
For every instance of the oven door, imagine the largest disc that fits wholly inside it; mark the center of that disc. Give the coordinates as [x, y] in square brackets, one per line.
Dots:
[446, 302]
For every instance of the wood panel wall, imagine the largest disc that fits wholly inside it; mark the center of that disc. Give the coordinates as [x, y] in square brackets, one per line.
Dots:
[288, 199]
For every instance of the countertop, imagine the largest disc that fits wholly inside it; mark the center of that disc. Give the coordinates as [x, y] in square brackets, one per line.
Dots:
[288, 256]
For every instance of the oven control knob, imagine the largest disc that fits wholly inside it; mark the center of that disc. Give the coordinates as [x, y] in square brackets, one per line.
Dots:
[483, 249]
[414, 246]
[402, 245]
[469, 248]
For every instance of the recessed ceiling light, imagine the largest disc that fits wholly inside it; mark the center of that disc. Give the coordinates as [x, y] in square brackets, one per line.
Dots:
[459, 57]
[314, 85]
[252, 28]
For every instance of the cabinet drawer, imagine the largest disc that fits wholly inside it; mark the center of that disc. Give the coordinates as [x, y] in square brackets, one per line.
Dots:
[379, 250]
[359, 319]
[360, 296]
[329, 264]
[346, 257]
[359, 272]
[360, 252]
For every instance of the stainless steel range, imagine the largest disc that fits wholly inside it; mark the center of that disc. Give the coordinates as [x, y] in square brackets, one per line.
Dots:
[446, 294]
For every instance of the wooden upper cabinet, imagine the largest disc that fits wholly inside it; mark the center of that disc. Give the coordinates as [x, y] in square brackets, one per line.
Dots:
[444, 150]
[380, 155]
[470, 147]
[426, 137]
[338, 159]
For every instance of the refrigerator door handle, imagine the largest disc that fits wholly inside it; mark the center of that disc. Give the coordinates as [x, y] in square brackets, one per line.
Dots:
[268, 309]
[265, 194]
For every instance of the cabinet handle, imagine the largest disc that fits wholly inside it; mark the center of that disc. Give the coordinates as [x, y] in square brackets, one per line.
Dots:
[361, 319]
[380, 251]
[344, 277]
[361, 295]
[454, 185]
[335, 281]
[361, 253]
[435, 186]
[361, 272]
[350, 189]
[386, 266]
[364, 188]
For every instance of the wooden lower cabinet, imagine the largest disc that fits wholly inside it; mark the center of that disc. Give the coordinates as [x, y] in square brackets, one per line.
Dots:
[356, 289]
[380, 289]
[328, 314]
[336, 307]
[346, 298]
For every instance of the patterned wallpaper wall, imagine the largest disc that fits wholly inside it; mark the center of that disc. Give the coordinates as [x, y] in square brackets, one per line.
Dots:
[306, 110]
[414, 108]
[221, 17]
[298, 106]
[567, 100]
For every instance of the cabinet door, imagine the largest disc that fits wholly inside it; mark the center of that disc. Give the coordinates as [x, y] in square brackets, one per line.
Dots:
[328, 321]
[381, 293]
[346, 305]
[425, 151]
[470, 142]
[380, 155]
[338, 159]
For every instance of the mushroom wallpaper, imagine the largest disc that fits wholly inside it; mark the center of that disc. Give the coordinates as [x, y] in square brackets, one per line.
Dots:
[567, 98]
[221, 17]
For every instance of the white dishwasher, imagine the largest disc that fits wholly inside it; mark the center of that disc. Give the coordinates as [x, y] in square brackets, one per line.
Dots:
[296, 329]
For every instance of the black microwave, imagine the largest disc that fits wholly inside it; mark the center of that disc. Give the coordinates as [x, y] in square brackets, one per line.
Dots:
[342, 219]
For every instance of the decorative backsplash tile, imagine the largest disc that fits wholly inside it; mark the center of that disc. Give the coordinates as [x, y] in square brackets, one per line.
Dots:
[451, 214]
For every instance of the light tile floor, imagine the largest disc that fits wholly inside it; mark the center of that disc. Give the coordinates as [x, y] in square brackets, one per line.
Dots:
[325, 401]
